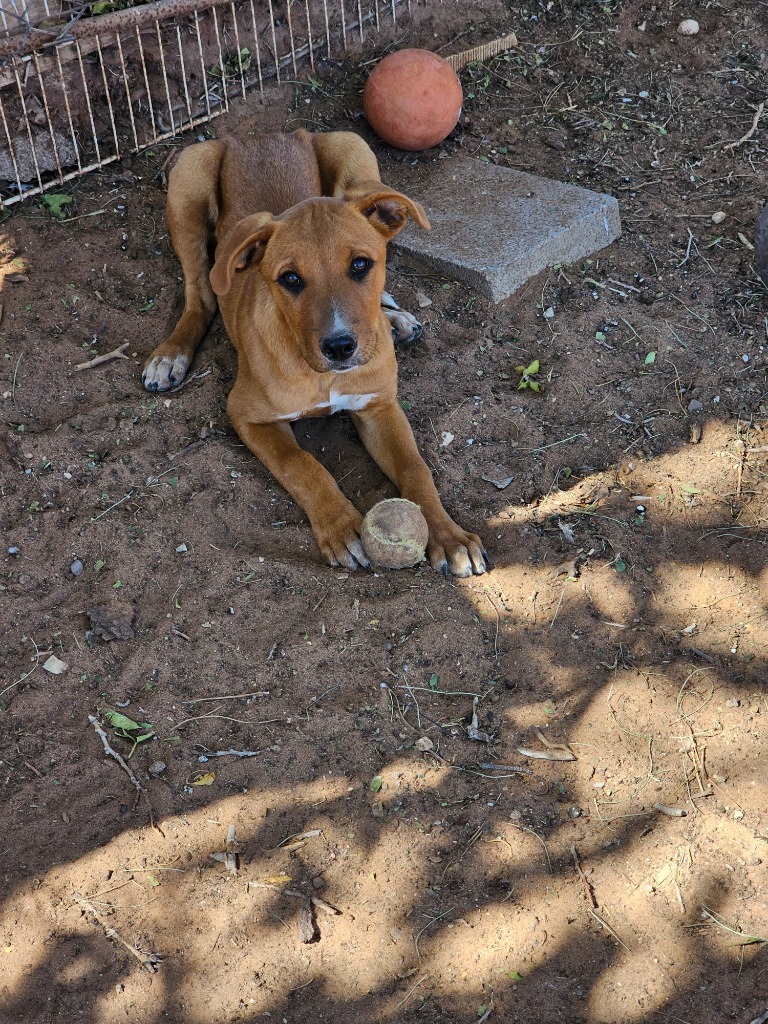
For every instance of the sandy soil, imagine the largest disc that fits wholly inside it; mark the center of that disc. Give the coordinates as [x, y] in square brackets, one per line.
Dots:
[454, 877]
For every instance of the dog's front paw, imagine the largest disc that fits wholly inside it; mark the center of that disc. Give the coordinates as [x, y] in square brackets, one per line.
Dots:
[406, 329]
[164, 372]
[454, 552]
[339, 541]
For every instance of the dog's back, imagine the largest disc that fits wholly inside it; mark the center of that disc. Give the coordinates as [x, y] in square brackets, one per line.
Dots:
[270, 174]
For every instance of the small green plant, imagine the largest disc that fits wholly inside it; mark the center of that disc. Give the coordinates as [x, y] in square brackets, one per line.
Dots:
[232, 65]
[127, 729]
[527, 374]
[54, 203]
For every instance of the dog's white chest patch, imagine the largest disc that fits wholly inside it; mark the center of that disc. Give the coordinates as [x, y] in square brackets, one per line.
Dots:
[352, 403]
[337, 403]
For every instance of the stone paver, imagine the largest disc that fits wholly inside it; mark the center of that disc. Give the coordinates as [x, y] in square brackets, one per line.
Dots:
[494, 227]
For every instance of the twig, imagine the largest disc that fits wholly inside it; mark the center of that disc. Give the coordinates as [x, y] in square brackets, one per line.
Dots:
[315, 900]
[749, 940]
[587, 885]
[410, 991]
[240, 721]
[671, 812]
[498, 620]
[116, 353]
[149, 961]
[13, 379]
[125, 497]
[26, 674]
[607, 928]
[429, 925]
[746, 137]
[524, 828]
[113, 753]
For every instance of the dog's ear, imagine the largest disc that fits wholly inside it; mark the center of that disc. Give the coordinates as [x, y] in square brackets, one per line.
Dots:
[388, 211]
[242, 248]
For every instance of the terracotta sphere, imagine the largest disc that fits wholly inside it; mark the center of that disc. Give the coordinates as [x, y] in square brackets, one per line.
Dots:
[412, 99]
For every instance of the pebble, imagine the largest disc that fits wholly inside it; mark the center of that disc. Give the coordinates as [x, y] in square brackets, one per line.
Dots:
[718, 217]
[77, 567]
[688, 27]
[157, 768]
[181, 549]
[695, 405]
[14, 552]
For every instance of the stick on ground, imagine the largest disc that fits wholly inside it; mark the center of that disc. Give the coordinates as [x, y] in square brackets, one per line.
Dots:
[116, 353]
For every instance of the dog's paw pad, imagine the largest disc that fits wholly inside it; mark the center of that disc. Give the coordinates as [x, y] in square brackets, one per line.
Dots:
[163, 373]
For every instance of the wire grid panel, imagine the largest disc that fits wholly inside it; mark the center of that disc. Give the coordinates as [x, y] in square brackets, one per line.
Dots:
[126, 81]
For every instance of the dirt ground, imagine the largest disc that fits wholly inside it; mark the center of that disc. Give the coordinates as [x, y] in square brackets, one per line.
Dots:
[455, 877]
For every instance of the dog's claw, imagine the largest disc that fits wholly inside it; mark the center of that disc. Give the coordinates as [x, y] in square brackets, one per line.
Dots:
[458, 554]
[406, 329]
[163, 372]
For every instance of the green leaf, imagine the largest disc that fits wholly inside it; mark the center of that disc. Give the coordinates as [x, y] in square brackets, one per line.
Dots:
[117, 585]
[173, 481]
[100, 563]
[433, 679]
[405, 405]
[55, 202]
[619, 565]
[514, 976]
[120, 721]
[153, 881]
[534, 385]
[533, 368]
[650, 358]
[599, 336]
[376, 783]
[689, 489]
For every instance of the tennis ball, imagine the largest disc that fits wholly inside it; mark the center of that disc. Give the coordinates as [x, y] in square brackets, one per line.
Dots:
[412, 99]
[395, 534]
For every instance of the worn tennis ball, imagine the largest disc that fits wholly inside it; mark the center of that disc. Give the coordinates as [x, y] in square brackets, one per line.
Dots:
[412, 99]
[395, 534]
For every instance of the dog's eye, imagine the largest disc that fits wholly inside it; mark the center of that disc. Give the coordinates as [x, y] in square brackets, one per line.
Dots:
[291, 281]
[360, 266]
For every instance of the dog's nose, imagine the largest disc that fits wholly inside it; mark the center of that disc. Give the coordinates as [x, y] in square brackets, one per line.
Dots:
[338, 347]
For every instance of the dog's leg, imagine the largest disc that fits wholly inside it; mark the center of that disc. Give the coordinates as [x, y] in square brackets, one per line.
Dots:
[334, 519]
[387, 435]
[406, 329]
[192, 215]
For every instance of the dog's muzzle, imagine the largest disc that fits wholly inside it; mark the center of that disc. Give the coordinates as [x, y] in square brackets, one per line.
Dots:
[338, 348]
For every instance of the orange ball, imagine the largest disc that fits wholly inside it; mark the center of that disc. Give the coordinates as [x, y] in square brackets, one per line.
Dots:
[412, 99]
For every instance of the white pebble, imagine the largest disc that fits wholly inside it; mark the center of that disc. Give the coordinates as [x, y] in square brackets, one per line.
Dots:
[718, 218]
[688, 27]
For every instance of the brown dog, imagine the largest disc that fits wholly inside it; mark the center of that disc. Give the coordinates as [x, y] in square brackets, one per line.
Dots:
[300, 225]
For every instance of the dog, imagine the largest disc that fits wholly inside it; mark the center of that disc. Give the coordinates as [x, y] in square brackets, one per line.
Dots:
[287, 236]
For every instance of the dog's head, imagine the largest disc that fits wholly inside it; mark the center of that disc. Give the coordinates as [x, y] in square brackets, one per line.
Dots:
[324, 264]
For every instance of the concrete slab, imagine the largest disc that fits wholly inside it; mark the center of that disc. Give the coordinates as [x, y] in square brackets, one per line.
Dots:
[494, 227]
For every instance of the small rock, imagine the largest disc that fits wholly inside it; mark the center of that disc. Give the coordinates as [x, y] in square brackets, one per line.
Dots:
[157, 768]
[695, 405]
[718, 218]
[688, 27]
[738, 815]
[423, 300]
[14, 552]
[377, 810]
[182, 549]
[77, 567]
[55, 665]
[734, 702]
